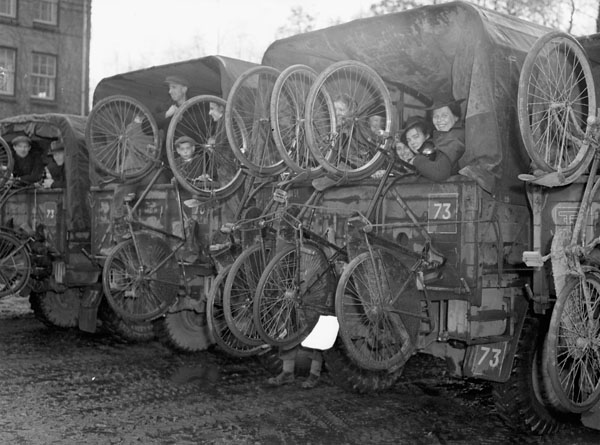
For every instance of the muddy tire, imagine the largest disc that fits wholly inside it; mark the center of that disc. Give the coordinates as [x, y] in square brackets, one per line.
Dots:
[522, 402]
[57, 310]
[126, 331]
[185, 331]
[347, 375]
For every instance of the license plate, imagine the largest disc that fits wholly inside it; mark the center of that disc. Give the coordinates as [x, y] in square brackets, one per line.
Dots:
[488, 359]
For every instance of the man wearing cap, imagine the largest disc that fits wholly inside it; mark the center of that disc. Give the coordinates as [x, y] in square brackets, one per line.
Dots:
[55, 169]
[28, 166]
[178, 88]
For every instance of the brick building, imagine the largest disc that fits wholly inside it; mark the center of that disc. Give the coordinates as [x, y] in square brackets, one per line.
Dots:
[44, 56]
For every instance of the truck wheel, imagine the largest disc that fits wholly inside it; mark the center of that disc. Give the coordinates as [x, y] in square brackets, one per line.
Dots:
[345, 374]
[184, 331]
[58, 310]
[125, 330]
[522, 401]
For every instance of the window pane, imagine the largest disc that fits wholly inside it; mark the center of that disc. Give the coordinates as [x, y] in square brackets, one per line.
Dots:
[43, 76]
[46, 11]
[7, 71]
[8, 8]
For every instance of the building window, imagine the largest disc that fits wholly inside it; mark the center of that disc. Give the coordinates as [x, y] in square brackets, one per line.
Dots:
[43, 76]
[7, 71]
[46, 11]
[8, 8]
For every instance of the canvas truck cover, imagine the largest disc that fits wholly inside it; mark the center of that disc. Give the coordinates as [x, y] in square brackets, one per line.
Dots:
[71, 129]
[591, 45]
[213, 75]
[453, 49]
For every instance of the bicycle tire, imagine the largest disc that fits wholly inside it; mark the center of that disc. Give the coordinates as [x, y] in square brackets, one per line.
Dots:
[130, 290]
[239, 291]
[249, 102]
[15, 265]
[6, 162]
[344, 145]
[375, 337]
[217, 324]
[213, 170]
[122, 138]
[285, 310]
[549, 132]
[570, 350]
[288, 115]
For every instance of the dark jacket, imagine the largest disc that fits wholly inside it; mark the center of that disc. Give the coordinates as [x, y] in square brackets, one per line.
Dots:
[450, 146]
[58, 174]
[30, 169]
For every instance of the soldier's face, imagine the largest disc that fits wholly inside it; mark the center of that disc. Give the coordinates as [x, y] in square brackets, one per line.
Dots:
[443, 119]
[186, 151]
[415, 138]
[215, 111]
[22, 149]
[59, 157]
[177, 92]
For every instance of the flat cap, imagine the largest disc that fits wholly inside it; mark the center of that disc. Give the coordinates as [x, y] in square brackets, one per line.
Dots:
[56, 146]
[21, 138]
[178, 80]
[184, 139]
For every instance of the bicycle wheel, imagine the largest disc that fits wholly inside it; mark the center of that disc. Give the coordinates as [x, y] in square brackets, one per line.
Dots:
[288, 119]
[378, 308]
[212, 170]
[217, 324]
[140, 277]
[238, 296]
[572, 347]
[248, 122]
[122, 138]
[6, 162]
[15, 265]
[295, 288]
[346, 100]
[556, 95]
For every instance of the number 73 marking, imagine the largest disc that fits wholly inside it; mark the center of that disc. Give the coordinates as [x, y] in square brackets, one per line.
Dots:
[493, 354]
[442, 210]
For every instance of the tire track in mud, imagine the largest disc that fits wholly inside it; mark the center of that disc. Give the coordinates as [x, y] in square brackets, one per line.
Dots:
[67, 387]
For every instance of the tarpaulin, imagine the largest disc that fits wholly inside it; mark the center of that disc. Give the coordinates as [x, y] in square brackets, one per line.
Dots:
[213, 75]
[71, 129]
[454, 49]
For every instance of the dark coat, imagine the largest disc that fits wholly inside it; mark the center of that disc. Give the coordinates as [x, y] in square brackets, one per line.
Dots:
[450, 146]
[58, 174]
[30, 169]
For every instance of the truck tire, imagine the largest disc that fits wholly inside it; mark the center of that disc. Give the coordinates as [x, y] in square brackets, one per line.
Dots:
[185, 331]
[523, 401]
[57, 310]
[125, 330]
[347, 375]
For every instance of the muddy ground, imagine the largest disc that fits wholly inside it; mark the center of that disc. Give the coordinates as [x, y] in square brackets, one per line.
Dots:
[67, 387]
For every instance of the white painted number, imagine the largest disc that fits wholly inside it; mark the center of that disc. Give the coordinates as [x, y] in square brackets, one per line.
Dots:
[495, 356]
[443, 210]
[50, 214]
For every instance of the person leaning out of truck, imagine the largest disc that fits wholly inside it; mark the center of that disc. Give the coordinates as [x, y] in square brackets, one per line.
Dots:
[55, 169]
[448, 139]
[28, 164]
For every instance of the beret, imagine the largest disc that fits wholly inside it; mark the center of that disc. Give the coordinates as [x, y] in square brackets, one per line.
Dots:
[178, 80]
[21, 138]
